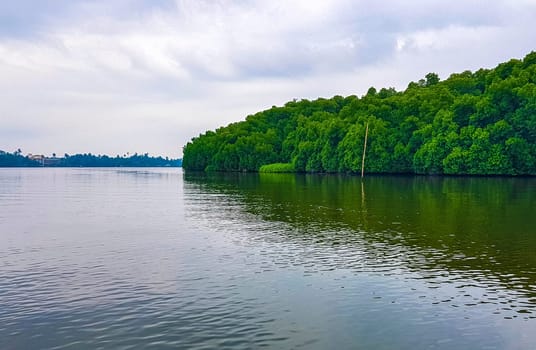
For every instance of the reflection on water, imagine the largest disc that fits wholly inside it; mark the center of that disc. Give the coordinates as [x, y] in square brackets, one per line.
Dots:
[472, 237]
[152, 258]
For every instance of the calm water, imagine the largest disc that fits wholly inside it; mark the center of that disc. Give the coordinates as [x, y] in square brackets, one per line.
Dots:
[153, 258]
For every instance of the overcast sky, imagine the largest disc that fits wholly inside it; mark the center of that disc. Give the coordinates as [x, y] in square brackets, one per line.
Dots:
[120, 76]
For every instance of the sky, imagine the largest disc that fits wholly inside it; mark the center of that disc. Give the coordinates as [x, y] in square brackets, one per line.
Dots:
[127, 76]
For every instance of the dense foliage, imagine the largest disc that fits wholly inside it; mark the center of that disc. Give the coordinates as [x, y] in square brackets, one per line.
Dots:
[16, 159]
[136, 160]
[471, 123]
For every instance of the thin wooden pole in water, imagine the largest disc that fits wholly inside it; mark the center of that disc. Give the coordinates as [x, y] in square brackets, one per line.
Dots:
[364, 151]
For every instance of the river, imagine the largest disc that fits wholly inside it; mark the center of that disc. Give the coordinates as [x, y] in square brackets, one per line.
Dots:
[125, 258]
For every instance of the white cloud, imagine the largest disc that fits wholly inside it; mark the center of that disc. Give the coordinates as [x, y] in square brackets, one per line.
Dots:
[113, 77]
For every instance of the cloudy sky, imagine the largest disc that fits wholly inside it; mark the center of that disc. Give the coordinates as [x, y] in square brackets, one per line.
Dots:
[111, 77]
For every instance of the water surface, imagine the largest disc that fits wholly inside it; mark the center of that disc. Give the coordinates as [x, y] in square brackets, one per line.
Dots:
[154, 258]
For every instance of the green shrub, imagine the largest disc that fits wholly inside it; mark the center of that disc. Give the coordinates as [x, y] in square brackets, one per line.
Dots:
[277, 168]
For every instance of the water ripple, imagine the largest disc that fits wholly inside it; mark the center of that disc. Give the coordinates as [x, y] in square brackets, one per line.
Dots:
[128, 259]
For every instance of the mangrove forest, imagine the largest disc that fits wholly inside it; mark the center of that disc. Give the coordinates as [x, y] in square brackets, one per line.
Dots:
[472, 123]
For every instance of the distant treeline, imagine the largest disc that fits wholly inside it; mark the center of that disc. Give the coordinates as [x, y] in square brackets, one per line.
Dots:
[16, 159]
[479, 123]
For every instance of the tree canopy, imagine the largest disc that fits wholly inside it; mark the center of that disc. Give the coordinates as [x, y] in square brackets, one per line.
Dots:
[16, 159]
[477, 123]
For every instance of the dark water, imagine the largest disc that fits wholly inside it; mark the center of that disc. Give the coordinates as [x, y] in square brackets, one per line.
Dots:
[152, 258]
